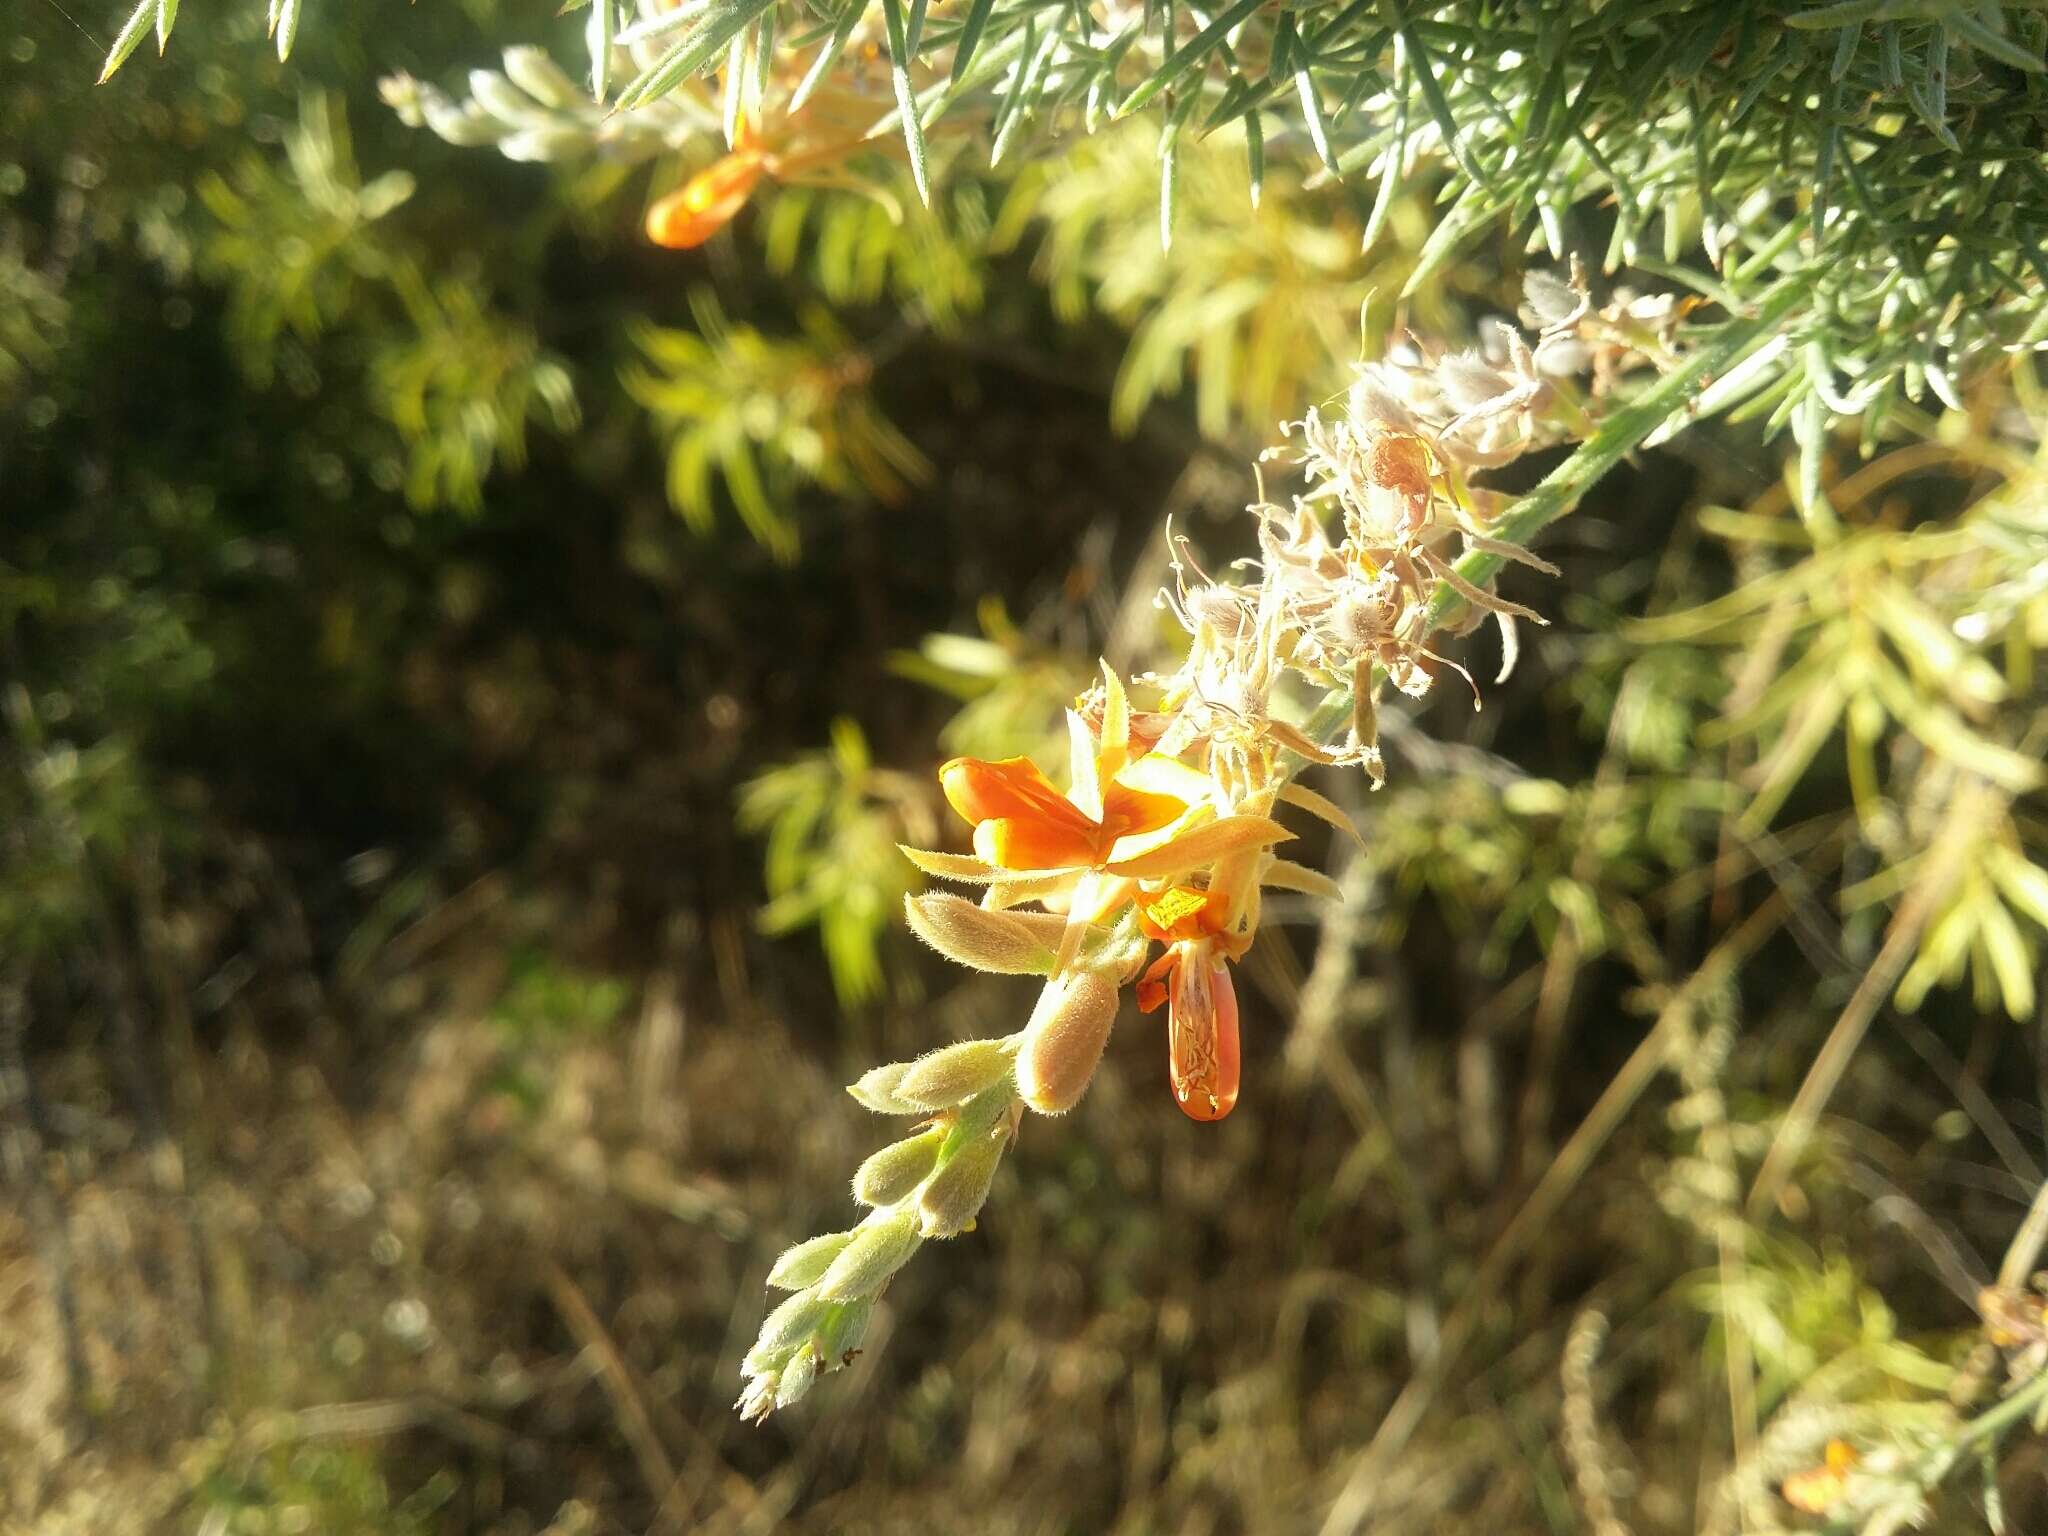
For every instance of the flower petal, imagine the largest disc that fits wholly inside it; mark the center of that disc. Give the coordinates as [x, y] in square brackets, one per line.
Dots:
[1201, 1036]
[1034, 843]
[1203, 845]
[981, 791]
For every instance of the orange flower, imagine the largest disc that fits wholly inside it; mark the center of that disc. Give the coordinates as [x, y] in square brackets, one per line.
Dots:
[1022, 822]
[1201, 1026]
[1818, 1489]
[1193, 979]
[708, 201]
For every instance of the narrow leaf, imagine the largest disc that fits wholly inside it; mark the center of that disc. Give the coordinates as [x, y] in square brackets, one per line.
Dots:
[132, 32]
[906, 97]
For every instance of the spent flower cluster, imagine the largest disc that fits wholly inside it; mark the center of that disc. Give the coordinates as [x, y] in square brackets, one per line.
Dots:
[1166, 832]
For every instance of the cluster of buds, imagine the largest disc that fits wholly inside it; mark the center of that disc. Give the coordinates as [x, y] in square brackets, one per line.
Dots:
[1165, 833]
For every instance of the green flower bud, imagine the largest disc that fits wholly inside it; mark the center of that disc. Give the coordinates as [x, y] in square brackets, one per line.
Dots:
[955, 1195]
[1064, 1041]
[879, 1248]
[802, 1265]
[1006, 943]
[896, 1170]
[877, 1090]
[786, 1327]
[797, 1377]
[954, 1075]
[842, 1335]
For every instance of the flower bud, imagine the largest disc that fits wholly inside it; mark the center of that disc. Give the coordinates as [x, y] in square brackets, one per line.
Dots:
[1006, 943]
[877, 1090]
[786, 1327]
[797, 1377]
[1064, 1041]
[955, 1195]
[800, 1266]
[878, 1250]
[954, 1075]
[842, 1335]
[896, 1170]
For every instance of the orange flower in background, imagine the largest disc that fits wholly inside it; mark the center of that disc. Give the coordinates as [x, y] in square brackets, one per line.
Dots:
[1193, 979]
[1021, 822]
[708, 201]
[1818, 1489]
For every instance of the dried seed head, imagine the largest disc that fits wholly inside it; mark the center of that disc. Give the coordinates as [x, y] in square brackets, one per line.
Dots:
[1005, 943]
[879, 1248]
[1396, 461]
[1221, 608]
[897, 1169]
[1064, 1041]
[952, 1076]
[1468, 381]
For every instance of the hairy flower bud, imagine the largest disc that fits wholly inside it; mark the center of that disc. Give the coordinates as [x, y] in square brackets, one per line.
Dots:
[893, 1172]
[878, 1250]
[1064, 1041]
[785, 1328]
[797, 1376]
[877, 1090]
[955, 1195]
[841, 1336]
[802, 1265]
[954, 1075]
[1006, 943]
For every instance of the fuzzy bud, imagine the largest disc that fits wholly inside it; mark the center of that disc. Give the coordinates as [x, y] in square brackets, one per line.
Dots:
[954, 1075]
[954, 1197]
[877, 1090]
[786, 1327]
[802, 1265]
[797, 1376]
[1064, 1041]
[843, 1334]
[1005, 943]
[878, 1250]
[897, 1169]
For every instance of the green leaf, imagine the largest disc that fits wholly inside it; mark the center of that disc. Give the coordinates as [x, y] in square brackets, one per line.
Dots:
[131, 34]
[598, 38]
[829, 54]
[287, 28]
[1198, 48]
[723, 22]
[970, 37]
[906, 97]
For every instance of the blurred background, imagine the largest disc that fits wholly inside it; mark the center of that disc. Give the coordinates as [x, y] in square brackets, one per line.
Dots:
[466, 670]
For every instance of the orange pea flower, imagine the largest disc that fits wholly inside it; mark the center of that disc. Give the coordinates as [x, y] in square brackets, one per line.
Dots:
[1022, 822]
[708, 201]
[1193, 979]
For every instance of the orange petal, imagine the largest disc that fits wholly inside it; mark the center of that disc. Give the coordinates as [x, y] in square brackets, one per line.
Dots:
[1152, 985]
[984, 791]
[1128, 812]
[1201, 1035]
[706, 203]
[1182, 912]
[1019, 842]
